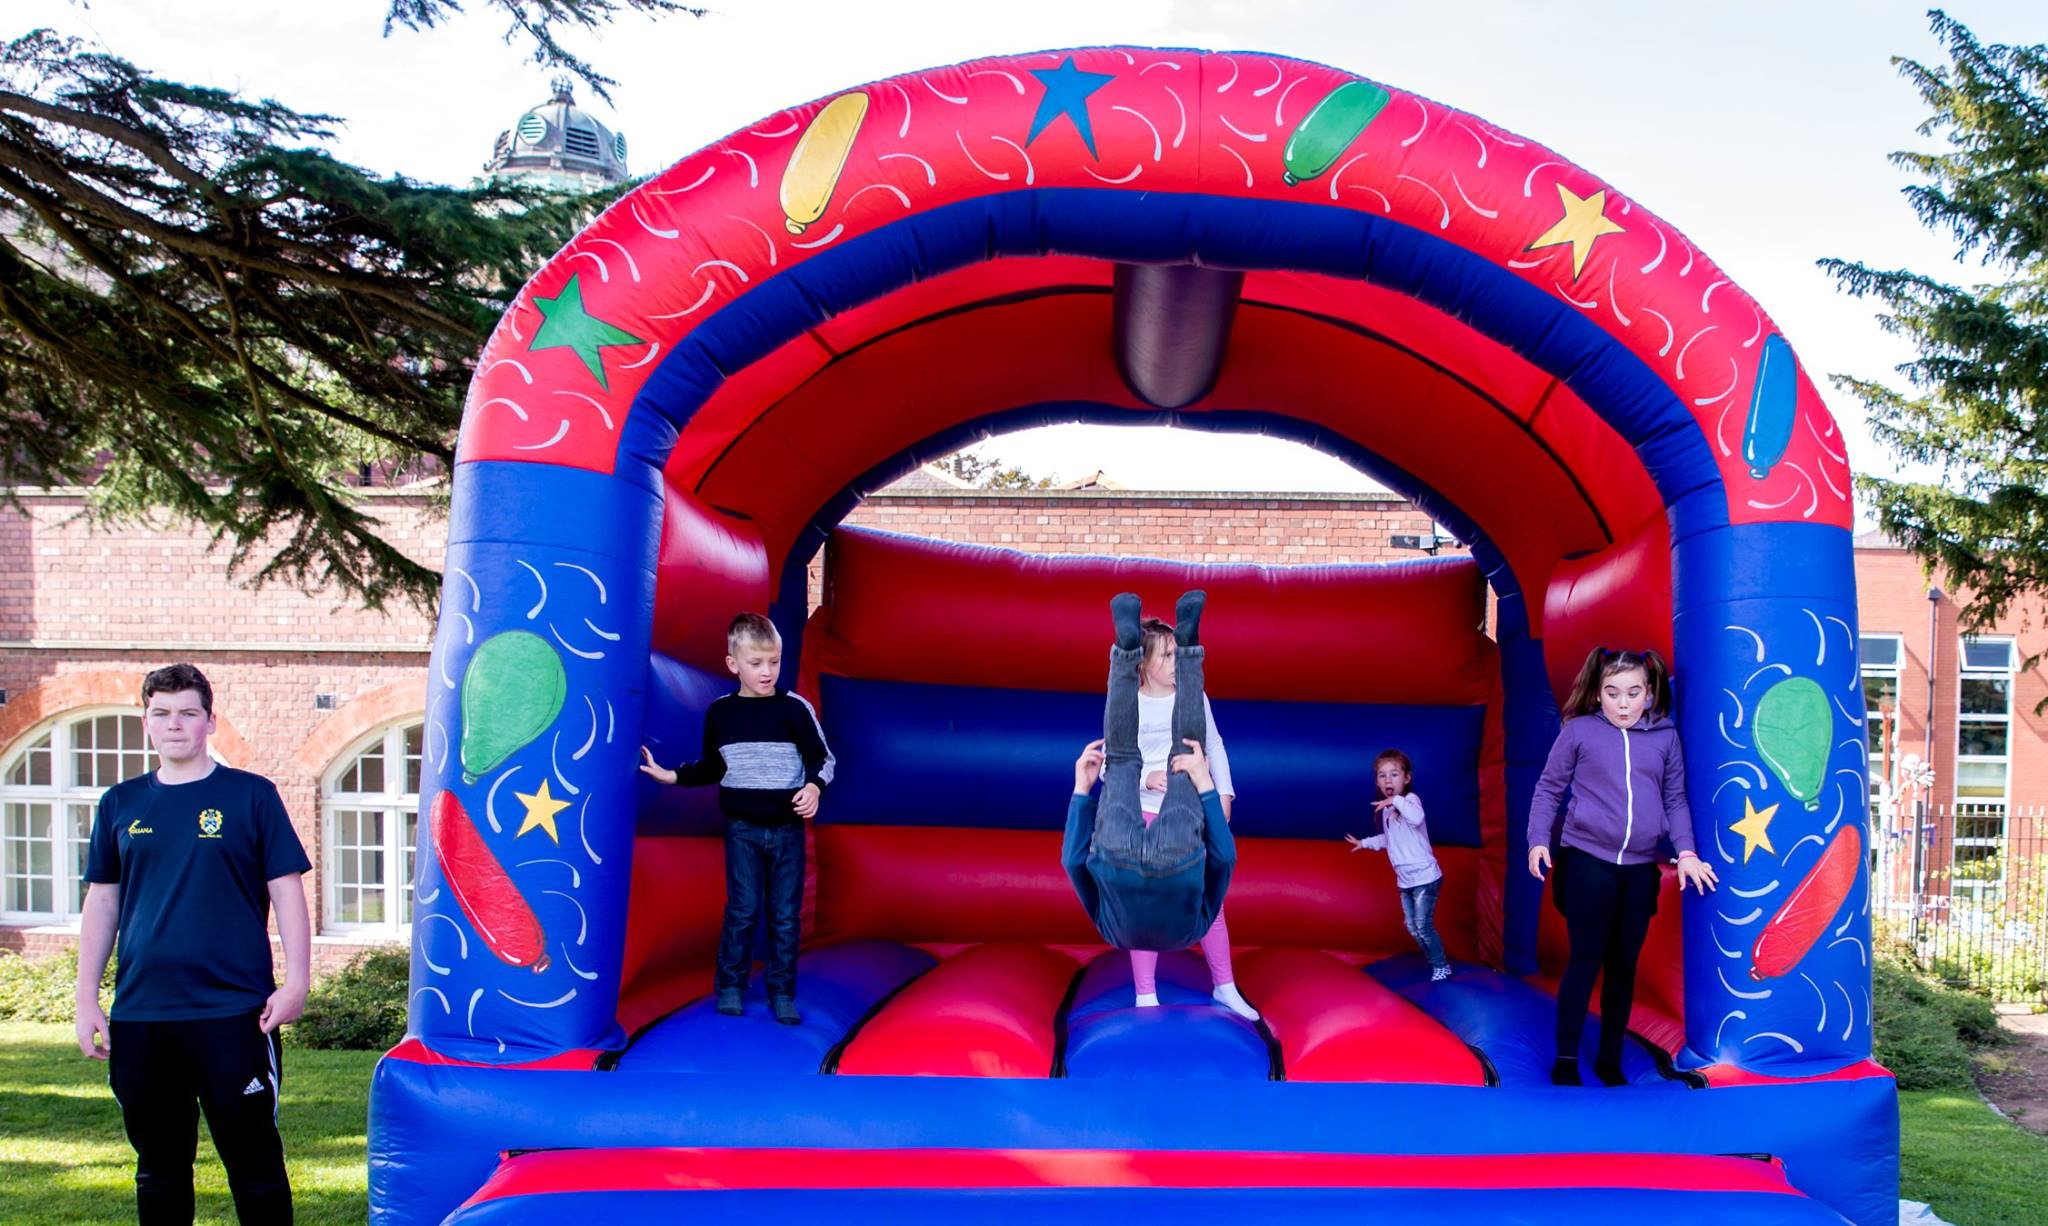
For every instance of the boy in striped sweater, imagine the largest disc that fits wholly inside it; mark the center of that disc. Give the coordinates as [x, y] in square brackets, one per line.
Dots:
[766, 751]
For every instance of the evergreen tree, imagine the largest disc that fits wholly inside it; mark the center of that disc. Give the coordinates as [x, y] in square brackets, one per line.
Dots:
[202, 311]
[1976, 414]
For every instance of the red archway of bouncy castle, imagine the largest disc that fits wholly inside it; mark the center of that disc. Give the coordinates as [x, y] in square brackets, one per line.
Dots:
[684, 403]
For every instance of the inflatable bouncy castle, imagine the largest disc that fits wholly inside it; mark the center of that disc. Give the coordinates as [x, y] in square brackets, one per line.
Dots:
[680, 409]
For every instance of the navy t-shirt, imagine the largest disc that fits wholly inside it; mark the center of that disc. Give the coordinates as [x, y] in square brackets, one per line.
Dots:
[194, 862]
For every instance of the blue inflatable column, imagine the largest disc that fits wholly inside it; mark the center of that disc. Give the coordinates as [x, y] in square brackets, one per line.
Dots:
[1771, 709]
[527, 784]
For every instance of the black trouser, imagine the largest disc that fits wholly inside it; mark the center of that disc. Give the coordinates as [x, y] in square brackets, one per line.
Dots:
[762, 859]
[163, 1074]
[1607, 909]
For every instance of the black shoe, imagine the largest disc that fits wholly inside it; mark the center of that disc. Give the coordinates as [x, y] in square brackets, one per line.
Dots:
[1609, 1074]
[729, 1001]
[784, 1008]
[1123, 614]
[1565, 1072]
[1187, 617]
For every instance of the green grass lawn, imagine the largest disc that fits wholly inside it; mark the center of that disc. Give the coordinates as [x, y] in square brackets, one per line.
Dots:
[64, 1160]
[1972, 1167]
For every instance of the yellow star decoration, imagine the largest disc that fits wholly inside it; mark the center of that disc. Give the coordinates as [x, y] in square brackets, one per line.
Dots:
[1755, 828]
[1584, 220]
[540, 812]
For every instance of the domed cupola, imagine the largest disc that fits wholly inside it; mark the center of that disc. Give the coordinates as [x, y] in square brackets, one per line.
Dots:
[559, 145]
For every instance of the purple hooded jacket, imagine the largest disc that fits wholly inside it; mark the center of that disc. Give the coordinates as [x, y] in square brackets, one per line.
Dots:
[1627, 785]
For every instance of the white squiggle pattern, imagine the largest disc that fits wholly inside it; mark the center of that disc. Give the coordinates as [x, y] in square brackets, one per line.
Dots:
[997, 72]
[1529, 180]
[574, 651]
[891, 188]
[1670, 334]
[1738, 993]
[1720, 1029]
[592, 738]
[1819, 1026]
[1158, 145]
[1280, 103]
[1862, 951]
[1689, 343]
[1753, 634]
[753, 167]
[561, 432]
[758, 230]
[555, 761]
[653, 352]
[1269, 87]
[1240, 161]
[469, 1022]
[1759, 892]
[575, 874]
[834, 232]
[1709, 295]
[582, 918]
[524, 373]
[1030, 172]
[941, 94]
[633, 207]
[1725, 951]
[677, 191]
[632, 267]
[491, 800]
[1424, 107]
[1848, 1023]
[1786, 1039]
[589, 574]
[1489, 214]
[1734, 381]
[693, 308]
[438, 994]
[583, 830]
[574, 969]
[556, 1003]
[1257, 138]
[1746, 920]
[592, 401]
[931, 177]
[1135, 172]
[543, 602]
[1768, 668]
[1761, 779]
[1442, 203]
[1181, 131]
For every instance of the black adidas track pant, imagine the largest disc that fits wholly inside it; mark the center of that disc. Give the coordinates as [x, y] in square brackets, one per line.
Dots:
[164, 1074]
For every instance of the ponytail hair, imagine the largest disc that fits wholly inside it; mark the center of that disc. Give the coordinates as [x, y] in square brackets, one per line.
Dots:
[1602, 663]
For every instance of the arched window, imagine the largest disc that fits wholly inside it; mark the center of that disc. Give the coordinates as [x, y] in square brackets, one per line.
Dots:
[370, 804]
[50, 786]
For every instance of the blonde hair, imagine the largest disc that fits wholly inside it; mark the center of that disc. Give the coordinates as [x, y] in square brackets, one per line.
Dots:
[751, 628]
[1155, 632]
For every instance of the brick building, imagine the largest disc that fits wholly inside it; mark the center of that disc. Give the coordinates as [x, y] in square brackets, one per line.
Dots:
[327, 699]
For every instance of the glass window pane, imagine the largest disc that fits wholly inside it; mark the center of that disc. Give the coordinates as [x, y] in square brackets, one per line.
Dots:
[1988, 653]
[41, 895]
[32, 769]
[1879, 691]
[1983, 740]
[372, 776]
[1987, 695]
[1980, 779]
[1879, 650]
[413, 741]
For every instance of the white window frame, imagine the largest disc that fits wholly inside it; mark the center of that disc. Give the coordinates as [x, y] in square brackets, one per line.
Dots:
[1880, 785]
[399, 808]
[1983, 806]
[62, 793]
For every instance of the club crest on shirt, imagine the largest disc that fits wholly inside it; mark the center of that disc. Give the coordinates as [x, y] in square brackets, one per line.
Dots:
[209, 823]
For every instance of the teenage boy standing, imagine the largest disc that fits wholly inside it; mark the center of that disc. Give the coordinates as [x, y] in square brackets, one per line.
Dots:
[185, 865]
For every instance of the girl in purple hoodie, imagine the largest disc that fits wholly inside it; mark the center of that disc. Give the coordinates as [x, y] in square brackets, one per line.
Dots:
[1619, 756]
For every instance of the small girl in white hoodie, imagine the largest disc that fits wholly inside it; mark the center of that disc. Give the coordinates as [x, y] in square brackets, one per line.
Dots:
[1405, 839]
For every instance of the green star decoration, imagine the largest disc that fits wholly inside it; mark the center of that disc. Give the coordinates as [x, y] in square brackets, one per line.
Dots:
[565, 324]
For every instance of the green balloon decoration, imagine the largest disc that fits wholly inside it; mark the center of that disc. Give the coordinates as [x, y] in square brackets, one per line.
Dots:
[1795, 730]
[1328, 129]
[511, 692]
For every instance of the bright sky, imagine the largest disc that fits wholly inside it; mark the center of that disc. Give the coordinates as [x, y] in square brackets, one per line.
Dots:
[1759, 127]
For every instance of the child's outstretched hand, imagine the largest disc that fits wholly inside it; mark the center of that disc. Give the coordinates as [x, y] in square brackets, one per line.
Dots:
[650, 768]
[1375, 843]
[1195, 765]
[1087, 768]
[805, 802]
[1696, 872]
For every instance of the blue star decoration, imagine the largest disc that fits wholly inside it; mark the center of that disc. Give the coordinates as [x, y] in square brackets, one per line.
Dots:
[1066, 93]
[566, 325]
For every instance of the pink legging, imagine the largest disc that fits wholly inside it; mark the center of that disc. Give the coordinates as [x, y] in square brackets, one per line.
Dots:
[1215, 948]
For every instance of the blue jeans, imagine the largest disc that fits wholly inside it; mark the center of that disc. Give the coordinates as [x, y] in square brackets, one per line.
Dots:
[762, 859]
[1418, 912]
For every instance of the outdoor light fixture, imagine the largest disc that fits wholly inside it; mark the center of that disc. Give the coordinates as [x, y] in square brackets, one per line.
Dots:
[323, 702]
[1427, 544]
